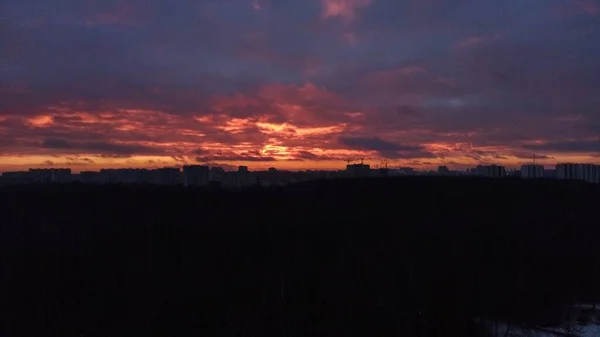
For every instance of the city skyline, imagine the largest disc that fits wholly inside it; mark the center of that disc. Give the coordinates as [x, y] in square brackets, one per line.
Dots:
[362, 163]
[230, 167]
[298, 85]
[204, 175]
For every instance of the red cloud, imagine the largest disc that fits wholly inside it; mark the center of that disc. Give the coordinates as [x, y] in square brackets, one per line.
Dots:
[274, 125]
[342, 8]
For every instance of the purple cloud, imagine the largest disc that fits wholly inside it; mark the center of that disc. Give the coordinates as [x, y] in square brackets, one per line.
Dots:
[307, 80]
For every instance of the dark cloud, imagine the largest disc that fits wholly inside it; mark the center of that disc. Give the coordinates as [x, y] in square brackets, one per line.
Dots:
[521, 155]
[104, 155]
[200, 152]
[375, 144]
[385, 148]
[180, 159]
[307, 155]
[487, 73]
[56, 143]
[84, 159]
[408, 154]
[568, 146]
[105, 148]
[234, 158]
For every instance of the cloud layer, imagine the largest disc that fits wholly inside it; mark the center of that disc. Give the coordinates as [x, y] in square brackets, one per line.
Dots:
[298, 84]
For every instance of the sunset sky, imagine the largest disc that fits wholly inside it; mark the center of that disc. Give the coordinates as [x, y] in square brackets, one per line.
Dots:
[298, 84]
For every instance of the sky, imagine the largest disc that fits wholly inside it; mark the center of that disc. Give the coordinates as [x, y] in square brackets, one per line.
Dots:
[298, 84]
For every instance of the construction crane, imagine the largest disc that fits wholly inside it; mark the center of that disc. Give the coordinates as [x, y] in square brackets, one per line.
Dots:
[348, 161]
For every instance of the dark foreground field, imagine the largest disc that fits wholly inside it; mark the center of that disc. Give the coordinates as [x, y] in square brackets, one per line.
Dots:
[389, 257]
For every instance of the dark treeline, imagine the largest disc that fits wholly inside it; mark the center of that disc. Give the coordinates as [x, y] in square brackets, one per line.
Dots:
[389, 257]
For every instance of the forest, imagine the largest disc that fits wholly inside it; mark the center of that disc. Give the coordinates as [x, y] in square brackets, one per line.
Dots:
[408, 256]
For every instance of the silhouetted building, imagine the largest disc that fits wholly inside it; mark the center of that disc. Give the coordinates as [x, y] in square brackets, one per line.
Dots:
[550, 173]
[90, 177]
[269, 178]
[565, 171]
[125, 176]
[569, 171]
[532, 171]
[513, 173]
[358, 170]
[408, 171]
[196, 175]
[51, 175]
[242, 176]
[230, 180]
[216, 174]
[166, 176]
[490, 171]
[586, 172]
[591, 173]
[108, 176]
[17, 177]
[383, 172]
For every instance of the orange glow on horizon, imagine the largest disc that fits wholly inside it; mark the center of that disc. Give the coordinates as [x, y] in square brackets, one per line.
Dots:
[284, 160]
[283, 126]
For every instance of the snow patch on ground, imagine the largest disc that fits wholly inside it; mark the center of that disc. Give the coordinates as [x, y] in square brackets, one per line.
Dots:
[589, 330]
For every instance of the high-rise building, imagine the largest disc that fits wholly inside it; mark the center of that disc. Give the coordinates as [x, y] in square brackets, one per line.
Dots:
[409, 171]
[51, 175]
[216, 174]
[90, 177]
[358, 170]
[269, 178]
[551, 173]
[586, 172]
[383, 172]
[18, 177]
[490, 171]
[591, 173]
[532, 171]
[443, 170]
[569, 171]
[242, 176]
[566, 171]
[125, 176]
[196, 175]
[166, 176]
